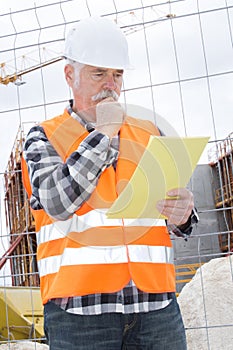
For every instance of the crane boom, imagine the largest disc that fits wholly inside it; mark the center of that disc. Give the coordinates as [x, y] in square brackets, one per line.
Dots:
[11, 78]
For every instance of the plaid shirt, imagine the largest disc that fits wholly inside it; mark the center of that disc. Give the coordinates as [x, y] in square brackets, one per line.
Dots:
[60, 188]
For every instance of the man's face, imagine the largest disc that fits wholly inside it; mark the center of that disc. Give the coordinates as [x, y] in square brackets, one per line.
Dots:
[95, 84]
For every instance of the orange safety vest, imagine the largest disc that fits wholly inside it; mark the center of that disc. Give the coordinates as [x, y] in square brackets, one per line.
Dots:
[89, 253]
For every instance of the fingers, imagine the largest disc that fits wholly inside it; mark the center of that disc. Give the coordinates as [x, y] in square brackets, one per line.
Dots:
[109, 116]
[109, 111]
[178, 208]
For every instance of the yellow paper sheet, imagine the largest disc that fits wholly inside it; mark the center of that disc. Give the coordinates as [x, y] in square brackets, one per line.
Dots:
[167, 163]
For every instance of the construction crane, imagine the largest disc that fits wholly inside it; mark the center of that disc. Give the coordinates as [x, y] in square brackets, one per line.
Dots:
[16, 77]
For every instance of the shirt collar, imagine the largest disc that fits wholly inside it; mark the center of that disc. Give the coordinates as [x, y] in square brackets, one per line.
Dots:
[90, 126]
[83, 122]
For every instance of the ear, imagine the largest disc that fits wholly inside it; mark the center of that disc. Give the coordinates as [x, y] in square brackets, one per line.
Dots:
[69, 74]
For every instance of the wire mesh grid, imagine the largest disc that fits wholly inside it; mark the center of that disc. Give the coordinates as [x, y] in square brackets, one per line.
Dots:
[182, 54]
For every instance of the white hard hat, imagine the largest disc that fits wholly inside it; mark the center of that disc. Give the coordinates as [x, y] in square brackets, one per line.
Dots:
[98, 42]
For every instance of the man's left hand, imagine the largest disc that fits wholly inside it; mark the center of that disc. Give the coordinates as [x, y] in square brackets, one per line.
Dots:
[177, 209]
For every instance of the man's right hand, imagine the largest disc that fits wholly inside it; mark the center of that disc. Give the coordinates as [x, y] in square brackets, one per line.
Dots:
[109, 117]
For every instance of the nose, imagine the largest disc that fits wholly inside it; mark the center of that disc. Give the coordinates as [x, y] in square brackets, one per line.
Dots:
[110, 83]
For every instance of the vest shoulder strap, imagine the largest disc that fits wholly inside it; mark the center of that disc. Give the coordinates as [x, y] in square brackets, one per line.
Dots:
[64, 133]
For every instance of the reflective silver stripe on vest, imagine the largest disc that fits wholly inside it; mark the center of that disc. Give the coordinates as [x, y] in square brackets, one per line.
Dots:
[155, 254]
[105, 255]
[92, 219]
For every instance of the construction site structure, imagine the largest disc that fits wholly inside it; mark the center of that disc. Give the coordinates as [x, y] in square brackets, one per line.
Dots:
[221, 162]
[21, 313]
[19, 222]
[20, 303]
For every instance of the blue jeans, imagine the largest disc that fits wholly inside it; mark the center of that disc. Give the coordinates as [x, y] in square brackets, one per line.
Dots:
[155, 330]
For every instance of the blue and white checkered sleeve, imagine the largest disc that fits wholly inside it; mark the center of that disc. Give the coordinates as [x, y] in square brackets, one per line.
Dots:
[61, 188]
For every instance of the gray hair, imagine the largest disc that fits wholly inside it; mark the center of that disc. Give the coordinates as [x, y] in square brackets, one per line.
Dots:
[77, 68]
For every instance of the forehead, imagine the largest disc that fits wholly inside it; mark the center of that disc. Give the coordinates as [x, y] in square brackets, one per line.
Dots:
[88, 68]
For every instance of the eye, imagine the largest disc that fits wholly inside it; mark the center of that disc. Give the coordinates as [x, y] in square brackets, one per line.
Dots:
[118, 75]
[97, 76]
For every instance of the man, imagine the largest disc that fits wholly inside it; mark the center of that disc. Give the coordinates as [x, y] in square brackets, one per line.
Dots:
[105, 283]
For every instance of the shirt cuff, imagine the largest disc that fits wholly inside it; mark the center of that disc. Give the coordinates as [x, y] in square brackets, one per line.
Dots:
[184, 230]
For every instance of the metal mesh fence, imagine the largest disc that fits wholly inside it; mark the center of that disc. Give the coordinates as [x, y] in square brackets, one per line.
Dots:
[182, 53]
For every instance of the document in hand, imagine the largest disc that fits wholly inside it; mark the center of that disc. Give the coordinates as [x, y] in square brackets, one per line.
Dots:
[167, 163]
